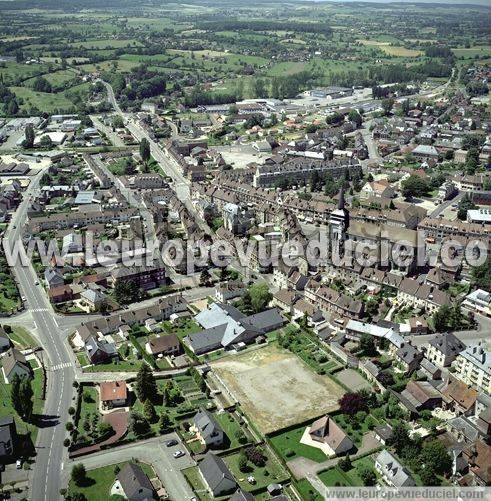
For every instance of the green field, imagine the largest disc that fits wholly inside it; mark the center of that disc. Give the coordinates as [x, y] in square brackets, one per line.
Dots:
[336, 476]
[48, 102]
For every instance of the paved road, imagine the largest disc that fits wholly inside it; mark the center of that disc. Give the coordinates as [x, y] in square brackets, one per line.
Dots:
[445, 205]
[112, 136]
[45, 479]
[154, 452]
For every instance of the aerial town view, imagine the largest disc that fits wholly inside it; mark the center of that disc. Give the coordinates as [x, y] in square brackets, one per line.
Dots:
[245, 250]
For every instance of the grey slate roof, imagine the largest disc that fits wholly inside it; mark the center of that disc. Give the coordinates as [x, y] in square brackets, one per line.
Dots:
[218, 477]
[132, 479]
[241, 495]
[206, 424]
[447, 344]
[393, 469]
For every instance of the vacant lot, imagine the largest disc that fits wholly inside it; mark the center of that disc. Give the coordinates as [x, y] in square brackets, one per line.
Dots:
[276, 389]
[353, 380]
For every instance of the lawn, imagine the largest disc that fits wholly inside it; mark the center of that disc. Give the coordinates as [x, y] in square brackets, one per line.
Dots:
[272, 472]
[21, 337]
[193, 476]
[88, 408]
[100, 481]
[288, 446]
[185, 327]
[6, 409]
[355, 430]
[336, 476]
[306, 491]
[230, 426]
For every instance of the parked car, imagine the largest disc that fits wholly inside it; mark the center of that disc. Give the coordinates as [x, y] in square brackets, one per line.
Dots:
[178, 454]
[171, 442]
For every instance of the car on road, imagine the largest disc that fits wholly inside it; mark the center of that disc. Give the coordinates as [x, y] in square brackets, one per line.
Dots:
[171, 442]
[178, 454]
[36, 282]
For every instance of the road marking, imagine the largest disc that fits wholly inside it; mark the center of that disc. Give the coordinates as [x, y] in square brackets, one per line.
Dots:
[61, 366]
[39, 310]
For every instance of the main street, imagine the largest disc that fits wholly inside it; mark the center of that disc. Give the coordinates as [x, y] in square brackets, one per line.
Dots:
[45, 479]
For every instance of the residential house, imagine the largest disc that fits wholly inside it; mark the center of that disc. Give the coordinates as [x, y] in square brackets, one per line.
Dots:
[145, 277]
[15, 363]
[392, 471]
[478, 301]
[164, 345]
[430, 370]
[132, 484]
[478, 456]
[217, 477]
[443, 349]
[208, 431]
[100, 351]
[53, 277]
[459, 397]
[383, 433]
[409, 357]
[378, 189]
[8, 436]
[329, 435]
[241, 495]
[113, 394]
[422, 395]
[91, 300]
[229, 290]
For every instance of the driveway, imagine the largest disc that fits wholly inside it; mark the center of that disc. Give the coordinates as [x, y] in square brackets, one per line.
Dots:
[152, 451]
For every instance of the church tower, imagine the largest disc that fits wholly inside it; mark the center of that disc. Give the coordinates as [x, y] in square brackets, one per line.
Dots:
[338, 224]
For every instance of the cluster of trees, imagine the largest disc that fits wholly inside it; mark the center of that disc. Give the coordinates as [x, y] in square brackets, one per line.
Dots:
[253, 454]
[429, 459]
[9, 100]
[40, 84]
[127, 291]
[449, 318]
[481, 275]
[439, 51]
[241, 26]
[464, 205]
[255, 299]
[198, 96]
[414, 186]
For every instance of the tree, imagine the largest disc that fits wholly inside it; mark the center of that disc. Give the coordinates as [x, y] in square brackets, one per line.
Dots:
[354, 116]
[46, 142]
[345, 463]
[149, 411]
[205, 277]
[29, 140]
[260, 296]
[367, 475]
[351, 403]
[78, 496]
[145, 385]
[21, 397]
[387, 105]
[464, 205]
[400, 437]
[435, 457]
[242, 462]
[79, 474]
[414, 186]
[367, 345]
[481, 275]
[138, 424]
[145, 150]
[164, 422]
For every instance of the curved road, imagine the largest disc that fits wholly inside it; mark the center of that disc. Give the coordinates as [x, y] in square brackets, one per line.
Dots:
[46, 475]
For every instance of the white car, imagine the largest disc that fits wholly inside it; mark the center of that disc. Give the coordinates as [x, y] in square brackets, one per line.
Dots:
[178, 454]
[18, 464]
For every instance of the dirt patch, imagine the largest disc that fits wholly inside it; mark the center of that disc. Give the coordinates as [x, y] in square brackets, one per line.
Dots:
[276, 389]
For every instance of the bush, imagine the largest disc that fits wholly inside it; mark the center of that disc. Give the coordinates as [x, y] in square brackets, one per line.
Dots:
[288, 453]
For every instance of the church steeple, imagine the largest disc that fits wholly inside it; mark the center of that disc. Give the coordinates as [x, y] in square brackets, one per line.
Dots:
[341, 202]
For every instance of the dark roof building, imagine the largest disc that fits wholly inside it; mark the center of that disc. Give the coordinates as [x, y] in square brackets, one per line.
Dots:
[135, 484]
[8, 434]
[216, 475]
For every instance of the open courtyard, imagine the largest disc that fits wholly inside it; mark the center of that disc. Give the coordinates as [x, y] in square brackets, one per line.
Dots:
[276, 389]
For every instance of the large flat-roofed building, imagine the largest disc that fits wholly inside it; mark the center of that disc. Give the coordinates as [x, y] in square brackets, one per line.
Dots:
[479, 216]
